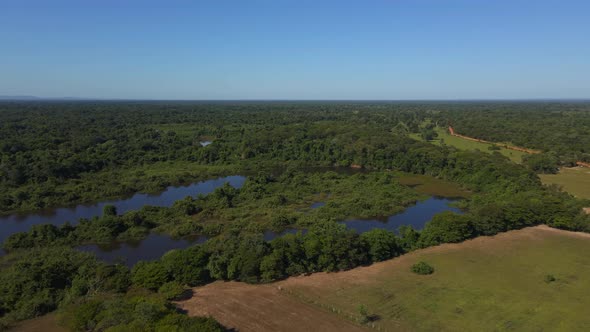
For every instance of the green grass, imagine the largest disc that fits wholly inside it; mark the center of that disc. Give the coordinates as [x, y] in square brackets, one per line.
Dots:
[497, 284]
[576, 181]
[463, 144]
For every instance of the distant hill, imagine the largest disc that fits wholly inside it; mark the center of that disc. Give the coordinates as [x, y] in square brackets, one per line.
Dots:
[18, 97]
[28, 98]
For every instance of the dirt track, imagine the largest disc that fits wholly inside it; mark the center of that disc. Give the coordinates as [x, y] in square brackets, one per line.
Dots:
[510, 147]
[275, 307]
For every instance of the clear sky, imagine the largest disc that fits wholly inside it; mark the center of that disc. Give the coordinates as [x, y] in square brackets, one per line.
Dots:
[248, 49]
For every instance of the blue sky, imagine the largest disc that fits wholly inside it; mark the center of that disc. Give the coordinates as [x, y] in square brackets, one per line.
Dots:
[413, 49]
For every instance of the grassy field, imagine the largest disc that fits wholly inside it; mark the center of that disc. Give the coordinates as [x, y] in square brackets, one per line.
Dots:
[574, 180]
[486, 284]
[463, 144]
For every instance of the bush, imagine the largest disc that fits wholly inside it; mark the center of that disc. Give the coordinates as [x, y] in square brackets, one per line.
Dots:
[109, 210]
[364, 316]
[422, 268]
[550, 278]
[150, 275]
[188, 266]
[381, 244]
[171, 290]
[446, 227]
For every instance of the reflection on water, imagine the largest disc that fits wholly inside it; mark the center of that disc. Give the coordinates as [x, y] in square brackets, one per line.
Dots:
[317, 205]
[150, 248]
[21, 223]
[416, 216]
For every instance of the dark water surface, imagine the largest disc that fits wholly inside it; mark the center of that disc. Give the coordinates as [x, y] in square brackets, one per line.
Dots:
[416, 216]
[150, 248]
[317, 205]
[22, 222]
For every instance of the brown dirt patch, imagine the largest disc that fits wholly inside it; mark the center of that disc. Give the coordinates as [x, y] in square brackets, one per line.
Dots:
[260, 308]
[587, 210]
[47, 323]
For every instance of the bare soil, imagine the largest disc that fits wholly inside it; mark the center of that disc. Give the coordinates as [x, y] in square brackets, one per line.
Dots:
[260, 308]
[47, 323]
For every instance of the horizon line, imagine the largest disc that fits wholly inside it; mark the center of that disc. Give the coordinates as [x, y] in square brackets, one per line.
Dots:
[37, 98]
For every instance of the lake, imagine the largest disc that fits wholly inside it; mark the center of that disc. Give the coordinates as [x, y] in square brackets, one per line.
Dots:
[22, 222]
[148, 249]
[416, 216]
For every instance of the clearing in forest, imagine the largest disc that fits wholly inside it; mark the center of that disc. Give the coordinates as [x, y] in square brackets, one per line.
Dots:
[574, 180]
[525, 280]
[463, 144]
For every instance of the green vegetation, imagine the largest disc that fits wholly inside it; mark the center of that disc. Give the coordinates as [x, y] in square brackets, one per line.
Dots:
[422, 268]
[364, 315]
[132, 313]
[37, 281]
[550, 278]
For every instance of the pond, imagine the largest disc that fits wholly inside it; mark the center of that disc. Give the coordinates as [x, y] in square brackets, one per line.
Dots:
[148, 249]
[22, 222]
[317, 205]
[416, 216]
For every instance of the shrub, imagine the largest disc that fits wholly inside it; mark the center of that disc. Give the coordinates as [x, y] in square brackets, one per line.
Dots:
[446, 227]
[550, 278]
[109, 210]
[422, 268]
[381, 244]
[150, 275]
[171, 290]
[364, 316]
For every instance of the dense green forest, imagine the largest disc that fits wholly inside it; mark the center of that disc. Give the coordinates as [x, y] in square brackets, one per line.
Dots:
[54, 154]
[560, 129]
[61, 153]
